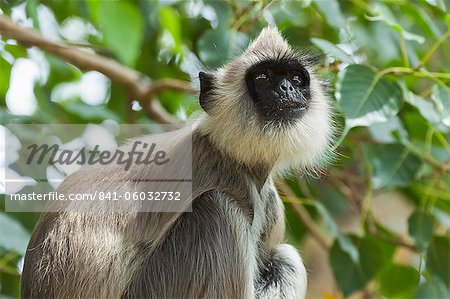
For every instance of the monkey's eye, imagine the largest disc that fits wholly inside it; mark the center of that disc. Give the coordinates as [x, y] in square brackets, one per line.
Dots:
[296, 78]
[262, 76]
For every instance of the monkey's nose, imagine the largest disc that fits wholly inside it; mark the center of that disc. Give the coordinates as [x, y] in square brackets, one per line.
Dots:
[284, 87]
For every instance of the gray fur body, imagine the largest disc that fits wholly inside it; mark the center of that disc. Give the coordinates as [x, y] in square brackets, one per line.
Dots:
[229, 246]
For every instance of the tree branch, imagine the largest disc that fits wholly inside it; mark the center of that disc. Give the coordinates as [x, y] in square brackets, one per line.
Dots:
[397, 240]
[138, 85]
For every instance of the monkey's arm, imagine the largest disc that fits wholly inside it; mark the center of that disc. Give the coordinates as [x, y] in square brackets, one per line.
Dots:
[282, 273]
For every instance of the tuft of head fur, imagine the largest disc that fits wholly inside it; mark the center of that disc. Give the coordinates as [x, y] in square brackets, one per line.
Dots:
[233, 124]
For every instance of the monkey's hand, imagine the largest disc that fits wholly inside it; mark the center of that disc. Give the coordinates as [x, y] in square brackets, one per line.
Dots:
[284, 276]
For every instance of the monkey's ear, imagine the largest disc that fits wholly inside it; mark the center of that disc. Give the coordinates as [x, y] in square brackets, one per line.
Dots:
[206, 86]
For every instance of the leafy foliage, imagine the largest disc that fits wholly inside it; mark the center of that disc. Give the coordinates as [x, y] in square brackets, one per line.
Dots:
[388, 63]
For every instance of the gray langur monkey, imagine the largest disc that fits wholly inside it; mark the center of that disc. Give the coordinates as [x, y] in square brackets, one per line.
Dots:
[265, 112]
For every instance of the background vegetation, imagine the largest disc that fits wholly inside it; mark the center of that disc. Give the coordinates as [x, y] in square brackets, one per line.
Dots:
[374, 225]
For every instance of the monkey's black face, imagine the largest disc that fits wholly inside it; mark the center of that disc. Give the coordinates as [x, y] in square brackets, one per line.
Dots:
[279, 89]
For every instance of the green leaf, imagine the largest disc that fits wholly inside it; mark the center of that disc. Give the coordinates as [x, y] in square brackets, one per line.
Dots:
[16, 51]
[398, 281]
[88, 112]
[292, 13]
[385, 15]
[331, 12]
[344, 242]
[296, 228]
[438, 3]
[441, 100]
[416, 125]
[442, 217]
[424, 21]
[348, 274]
[393, 165]
[366, 98]
[60, 71]
[5, 70]
[31, 10]
[374, 255]
[327, 218]
[222, 11]
[389, 132]
[93, 6]
[12, 234]
[447, 20]
[426, 108]
[432, 289]
[332, 50]
[420, 226]
[170, 21]
[174, 101]
[122, 26]
[8, 118]
[438, 258]
[218, 46]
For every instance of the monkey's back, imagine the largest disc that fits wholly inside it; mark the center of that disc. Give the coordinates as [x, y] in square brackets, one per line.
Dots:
[210, 252]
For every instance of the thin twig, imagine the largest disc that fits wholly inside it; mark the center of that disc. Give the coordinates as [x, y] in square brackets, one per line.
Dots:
[303, 214]
[433, 48]
[397, 242]
[137, 84]
[251, 23]
[350, 194]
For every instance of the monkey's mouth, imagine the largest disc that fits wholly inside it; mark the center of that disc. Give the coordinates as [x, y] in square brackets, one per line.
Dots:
[283, 109]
